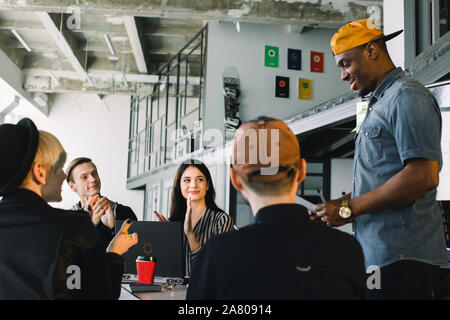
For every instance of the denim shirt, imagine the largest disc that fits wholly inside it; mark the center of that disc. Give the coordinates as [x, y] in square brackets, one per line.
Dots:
[403, 121]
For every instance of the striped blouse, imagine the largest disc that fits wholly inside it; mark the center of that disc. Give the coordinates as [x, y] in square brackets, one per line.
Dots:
[210, 224]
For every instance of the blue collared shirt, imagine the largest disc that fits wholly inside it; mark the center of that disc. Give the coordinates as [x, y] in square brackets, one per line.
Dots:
[403, 121]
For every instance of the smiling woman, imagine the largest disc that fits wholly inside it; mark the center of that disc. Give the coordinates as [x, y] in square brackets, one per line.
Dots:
[193, 202]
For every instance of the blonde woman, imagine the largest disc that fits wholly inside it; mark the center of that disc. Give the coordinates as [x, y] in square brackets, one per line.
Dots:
[48, 253]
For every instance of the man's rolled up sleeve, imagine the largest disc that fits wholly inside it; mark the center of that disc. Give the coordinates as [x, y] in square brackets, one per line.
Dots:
[417, 125]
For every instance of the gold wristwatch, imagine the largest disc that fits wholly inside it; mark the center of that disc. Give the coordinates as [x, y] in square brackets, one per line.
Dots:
[344, 211]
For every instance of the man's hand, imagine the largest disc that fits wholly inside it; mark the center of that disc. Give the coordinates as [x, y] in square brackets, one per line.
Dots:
[122, 242]
[96, 214]
[328, 213]
[108, 215]
[101, 210]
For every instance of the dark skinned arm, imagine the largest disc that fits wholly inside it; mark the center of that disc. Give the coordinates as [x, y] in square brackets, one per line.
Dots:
[418, 177]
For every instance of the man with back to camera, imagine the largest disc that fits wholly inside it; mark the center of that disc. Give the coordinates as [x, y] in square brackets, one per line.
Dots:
[282, 255]
[84, 180]
[393, 206]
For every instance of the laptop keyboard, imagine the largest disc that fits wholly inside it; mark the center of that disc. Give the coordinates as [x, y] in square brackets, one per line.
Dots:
[129, 278]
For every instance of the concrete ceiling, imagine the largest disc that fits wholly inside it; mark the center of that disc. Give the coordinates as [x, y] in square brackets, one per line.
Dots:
[67, 38]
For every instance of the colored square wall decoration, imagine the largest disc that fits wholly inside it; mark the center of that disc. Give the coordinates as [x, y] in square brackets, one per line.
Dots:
[271, 57]
[282, 87]
[304, 89]
[294, 59]
[316, 61]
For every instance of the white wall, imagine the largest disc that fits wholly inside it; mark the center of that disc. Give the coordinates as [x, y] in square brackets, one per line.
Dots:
[341, 177]
[394, 18]
[7, 94]
[86, 127]
[245, 51]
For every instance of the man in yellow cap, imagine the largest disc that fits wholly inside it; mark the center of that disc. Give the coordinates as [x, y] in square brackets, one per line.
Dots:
[393, 206]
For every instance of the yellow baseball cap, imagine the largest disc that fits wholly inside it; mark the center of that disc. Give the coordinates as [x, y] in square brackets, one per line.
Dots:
[249, 155]
[357, 33]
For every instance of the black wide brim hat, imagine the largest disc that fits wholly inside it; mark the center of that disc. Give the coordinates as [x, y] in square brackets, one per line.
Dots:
[19, 144]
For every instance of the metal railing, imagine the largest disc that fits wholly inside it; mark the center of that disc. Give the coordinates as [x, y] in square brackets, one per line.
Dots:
[163, 125]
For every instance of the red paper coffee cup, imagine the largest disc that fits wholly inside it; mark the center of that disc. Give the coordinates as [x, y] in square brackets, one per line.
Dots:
[146, 269]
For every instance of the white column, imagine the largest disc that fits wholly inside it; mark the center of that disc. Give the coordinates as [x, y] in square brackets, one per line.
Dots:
[399, 15]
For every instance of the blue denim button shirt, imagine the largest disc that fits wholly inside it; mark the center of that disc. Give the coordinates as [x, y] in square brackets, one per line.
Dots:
[403, 121]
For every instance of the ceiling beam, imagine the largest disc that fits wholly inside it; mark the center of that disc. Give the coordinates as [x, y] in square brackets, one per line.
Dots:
[303, 12]
[105, 75]
[15, 54]
[324, 118]
[13, 76]
[39, 80]
[135, 42]
[102, 87]
[63, 44]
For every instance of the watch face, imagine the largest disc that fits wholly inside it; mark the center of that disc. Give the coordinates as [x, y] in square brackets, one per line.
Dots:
[345, 212]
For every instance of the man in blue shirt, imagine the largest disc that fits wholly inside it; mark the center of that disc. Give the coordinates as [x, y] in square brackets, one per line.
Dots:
[393, 206]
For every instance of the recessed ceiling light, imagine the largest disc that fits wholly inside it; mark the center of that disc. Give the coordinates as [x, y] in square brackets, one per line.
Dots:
[22, 41]
[113, 58]
[109, 43]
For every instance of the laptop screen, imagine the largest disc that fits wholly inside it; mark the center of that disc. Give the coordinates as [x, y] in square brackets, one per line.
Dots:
[163, 240]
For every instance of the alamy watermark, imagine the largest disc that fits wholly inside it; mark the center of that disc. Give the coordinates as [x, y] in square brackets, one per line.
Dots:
[374, 280]
[252, 149]
[374, 18]
[74, 279]
[73, 22]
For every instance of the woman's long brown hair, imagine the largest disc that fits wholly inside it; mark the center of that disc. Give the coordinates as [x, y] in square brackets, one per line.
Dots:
[178, 202]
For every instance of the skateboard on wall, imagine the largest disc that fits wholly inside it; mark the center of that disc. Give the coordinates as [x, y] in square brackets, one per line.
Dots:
[231, 93]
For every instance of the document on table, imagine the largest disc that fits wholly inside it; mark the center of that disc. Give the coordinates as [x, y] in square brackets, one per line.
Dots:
[308, 205]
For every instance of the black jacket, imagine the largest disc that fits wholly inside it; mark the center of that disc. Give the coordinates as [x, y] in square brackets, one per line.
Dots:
[283, 255]
[39, 243]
